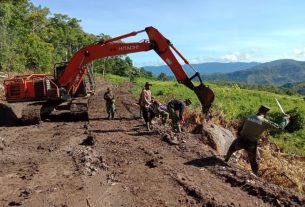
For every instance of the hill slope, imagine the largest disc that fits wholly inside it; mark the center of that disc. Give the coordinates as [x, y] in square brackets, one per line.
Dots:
[298, 87]
[205, 68]
[276, 72]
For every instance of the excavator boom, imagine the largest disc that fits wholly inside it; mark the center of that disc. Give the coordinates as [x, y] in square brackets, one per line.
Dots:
[157, 42]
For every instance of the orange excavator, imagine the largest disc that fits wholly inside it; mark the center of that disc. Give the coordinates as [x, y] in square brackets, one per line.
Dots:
[73, 81]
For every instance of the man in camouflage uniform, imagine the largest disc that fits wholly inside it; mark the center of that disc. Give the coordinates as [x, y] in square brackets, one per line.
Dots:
[176, 109]
[110, 103]
[250, 133]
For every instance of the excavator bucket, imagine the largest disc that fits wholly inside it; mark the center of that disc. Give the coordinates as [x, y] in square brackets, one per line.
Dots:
[205, 96]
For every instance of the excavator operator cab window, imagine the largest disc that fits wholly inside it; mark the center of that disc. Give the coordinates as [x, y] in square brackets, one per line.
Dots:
[59, 69]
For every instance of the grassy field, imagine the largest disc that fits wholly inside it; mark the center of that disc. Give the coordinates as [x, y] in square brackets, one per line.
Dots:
[236, 103]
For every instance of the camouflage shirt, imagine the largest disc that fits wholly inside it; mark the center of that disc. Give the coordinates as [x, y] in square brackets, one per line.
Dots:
[255, 125]
[109, 97]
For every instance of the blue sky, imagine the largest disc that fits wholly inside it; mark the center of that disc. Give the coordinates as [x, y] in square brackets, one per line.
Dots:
[202, 30]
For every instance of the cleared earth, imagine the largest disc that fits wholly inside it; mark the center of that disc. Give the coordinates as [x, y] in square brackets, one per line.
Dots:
[68, 162]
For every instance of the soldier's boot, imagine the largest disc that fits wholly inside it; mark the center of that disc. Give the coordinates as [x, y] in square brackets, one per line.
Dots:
[179, 128]
[108, 117]
[164, 118]
[112, 115]
[148, 126]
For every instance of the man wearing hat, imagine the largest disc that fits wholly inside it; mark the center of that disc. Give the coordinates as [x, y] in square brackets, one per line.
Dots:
[175, 106]
[250, 133]
[145, 103]
[110, 103]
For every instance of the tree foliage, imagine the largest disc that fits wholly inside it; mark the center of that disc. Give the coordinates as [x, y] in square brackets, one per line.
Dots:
[162, 77]
[31, 38]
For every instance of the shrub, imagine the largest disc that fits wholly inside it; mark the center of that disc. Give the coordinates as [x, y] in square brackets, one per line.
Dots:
[297, 120]
[296, 123]
[160, 93]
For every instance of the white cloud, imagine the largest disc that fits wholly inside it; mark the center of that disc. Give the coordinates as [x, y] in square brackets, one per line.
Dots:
[299, 52]
[236, 56]
[203, 59]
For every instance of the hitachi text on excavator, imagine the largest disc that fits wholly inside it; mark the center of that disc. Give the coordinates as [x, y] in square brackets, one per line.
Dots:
[73, 81]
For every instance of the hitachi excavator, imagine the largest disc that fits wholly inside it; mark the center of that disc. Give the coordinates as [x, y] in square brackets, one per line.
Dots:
[73, 81]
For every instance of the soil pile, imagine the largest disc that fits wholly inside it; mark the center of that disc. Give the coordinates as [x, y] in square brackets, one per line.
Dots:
[7, 115]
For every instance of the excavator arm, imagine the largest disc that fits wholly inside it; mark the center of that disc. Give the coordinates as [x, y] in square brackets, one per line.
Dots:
[76, 67]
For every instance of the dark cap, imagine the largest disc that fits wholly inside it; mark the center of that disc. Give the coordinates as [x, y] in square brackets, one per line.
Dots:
[263, 108]
[148, 84]
[188, 102]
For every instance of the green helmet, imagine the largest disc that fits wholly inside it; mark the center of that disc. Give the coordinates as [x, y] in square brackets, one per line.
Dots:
[263, 108]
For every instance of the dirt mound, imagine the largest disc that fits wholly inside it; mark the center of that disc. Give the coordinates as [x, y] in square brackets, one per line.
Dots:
[87, 161]
[7, 116]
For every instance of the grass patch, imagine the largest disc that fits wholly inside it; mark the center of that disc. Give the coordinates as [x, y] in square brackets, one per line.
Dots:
[114, 79]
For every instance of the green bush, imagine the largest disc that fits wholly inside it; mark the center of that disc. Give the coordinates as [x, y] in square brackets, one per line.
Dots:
[160, 93]
[297, 120]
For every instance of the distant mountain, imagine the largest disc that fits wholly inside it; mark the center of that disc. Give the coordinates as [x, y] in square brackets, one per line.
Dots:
[276, 72]
[298, 87]
[204, 68]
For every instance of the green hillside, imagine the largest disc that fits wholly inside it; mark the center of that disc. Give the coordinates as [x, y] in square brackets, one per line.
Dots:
[297, 87]
[32, 39]
[277, 72]
[236, 103]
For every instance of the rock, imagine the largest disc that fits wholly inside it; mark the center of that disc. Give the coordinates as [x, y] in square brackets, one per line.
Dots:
[89, 141]
[155, 162]
[170, 139]
[2, 144]
[218, 137]
[15, 203]
[7, 115]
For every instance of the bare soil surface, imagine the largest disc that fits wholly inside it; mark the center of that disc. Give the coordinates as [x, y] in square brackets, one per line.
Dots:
[68, 162]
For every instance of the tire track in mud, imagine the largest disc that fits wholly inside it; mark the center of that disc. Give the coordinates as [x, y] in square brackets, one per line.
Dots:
[40, 168]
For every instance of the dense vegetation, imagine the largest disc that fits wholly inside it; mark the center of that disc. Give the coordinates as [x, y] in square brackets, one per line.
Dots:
[276, 72]
[258, 87]
[297, 87]
[33, 39]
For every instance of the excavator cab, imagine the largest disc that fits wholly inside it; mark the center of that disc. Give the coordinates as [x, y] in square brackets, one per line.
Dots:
[59, 69]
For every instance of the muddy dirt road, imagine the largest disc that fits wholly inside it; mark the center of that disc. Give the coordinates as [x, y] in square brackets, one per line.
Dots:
[100, 162]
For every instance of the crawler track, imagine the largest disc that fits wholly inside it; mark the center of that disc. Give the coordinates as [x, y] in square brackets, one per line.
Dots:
[31, 114]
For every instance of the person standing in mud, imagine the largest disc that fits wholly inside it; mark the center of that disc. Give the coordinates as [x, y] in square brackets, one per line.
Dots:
[176, 109]
[145, 103]
[250, 133]
[110, 103]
